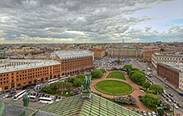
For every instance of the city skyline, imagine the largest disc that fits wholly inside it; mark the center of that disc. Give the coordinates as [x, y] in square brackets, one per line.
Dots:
[96, 21]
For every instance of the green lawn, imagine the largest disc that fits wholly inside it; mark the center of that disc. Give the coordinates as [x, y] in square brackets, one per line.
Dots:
[114, 87]
[116, 74]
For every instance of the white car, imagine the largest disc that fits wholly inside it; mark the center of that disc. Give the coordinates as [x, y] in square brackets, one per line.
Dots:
[175, 105]
[5, 96]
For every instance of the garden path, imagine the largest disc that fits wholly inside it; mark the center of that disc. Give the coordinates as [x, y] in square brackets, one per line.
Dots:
[136, 90]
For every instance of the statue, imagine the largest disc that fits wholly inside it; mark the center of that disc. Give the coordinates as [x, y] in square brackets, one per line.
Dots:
[85, 88]
[25, 104]
[25, 100]
[2, 109]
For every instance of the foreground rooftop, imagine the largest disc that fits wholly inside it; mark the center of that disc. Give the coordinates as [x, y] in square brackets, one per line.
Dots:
[77, 106]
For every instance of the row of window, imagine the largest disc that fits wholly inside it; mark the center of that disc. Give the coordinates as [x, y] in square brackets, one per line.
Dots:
[3, 82]
[23, 73]
[169, 58]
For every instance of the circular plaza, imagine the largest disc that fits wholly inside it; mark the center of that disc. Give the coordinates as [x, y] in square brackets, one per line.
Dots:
[114, 87]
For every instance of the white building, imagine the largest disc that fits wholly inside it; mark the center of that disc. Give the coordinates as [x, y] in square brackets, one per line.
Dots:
[166, 58]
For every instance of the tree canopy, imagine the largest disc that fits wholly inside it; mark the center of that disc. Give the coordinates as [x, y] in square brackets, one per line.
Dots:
[146, 85]
[156, 89]
[138, 77]
[96, 73]
[128, 68]
[78, 80]
[150, 100]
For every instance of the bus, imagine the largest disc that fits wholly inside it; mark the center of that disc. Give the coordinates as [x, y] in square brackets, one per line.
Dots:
[46, 100]
[19, 95]
[53, 81]
[33, 98]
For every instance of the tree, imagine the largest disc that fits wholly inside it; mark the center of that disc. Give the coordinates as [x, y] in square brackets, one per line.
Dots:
[150, 100]
[97, 73]
[138, 77]
[128, 68]
[146, 85]
[103, 70]
[78, 80]
[156, 89]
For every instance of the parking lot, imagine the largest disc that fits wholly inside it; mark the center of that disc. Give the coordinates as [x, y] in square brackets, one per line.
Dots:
[37, 99]
[111, 63]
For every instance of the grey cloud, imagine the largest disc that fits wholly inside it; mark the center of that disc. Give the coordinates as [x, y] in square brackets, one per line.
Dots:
[98, 19]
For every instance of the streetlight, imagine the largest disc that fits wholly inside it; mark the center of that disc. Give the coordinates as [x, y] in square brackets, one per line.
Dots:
[173, 110]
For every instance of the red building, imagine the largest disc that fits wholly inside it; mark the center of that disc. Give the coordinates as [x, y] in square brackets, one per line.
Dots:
[74, 61]
[171, 73]
[20, 73]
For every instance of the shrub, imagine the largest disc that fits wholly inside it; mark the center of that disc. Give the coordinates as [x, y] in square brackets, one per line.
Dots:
[150, 100]
[78, 80]
[156, 89]
[58, 87]
[146, 85]
[103, 70]
[126, 100]
[97, 73]
[128, 68]
[138, 77]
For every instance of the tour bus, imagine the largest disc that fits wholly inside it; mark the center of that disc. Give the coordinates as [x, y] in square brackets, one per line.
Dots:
[19, 95]
[47, 100]
[53, 80]
[33, 98]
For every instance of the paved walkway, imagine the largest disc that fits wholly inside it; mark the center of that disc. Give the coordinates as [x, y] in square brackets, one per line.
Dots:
[136, 90]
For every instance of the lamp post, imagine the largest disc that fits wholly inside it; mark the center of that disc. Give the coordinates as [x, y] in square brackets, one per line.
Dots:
[173, 110]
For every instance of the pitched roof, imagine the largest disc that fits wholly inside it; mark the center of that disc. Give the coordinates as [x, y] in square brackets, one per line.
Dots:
[96, 106]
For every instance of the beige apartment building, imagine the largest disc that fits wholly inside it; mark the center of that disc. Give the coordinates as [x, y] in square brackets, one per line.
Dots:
[175, 58]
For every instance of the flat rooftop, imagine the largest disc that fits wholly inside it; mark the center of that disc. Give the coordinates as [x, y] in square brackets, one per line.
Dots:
[16, 65]
[69, 54]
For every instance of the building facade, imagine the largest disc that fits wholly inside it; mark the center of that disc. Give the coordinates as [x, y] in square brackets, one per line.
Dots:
[98, 52]
[148, 51]
[74, 61]
[124, 52]
[172, 73]
[166, 58]
[20, 73]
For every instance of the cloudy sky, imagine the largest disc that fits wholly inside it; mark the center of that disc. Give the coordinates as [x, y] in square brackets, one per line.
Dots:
[80, 21]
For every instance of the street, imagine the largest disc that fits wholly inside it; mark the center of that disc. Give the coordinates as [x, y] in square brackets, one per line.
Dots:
[155, 79]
